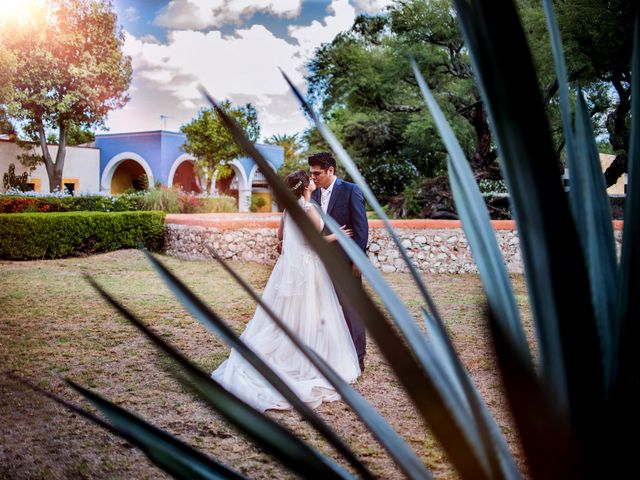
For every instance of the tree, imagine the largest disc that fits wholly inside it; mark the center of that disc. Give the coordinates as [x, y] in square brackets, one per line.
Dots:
[211, 143]
[75, 136]
[367, 93]
[69, 69]
[597, 38]
[293, 159]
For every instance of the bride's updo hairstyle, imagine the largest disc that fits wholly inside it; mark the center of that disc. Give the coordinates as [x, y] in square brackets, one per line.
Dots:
[297, 182]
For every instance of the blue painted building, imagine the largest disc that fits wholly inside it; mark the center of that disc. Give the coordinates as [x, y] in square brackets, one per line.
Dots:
[131, 160]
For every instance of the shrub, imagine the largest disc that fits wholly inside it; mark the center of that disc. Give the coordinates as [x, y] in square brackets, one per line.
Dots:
[91, 203]
[190, 203]
[35, 235]
[257, 203]
[162, 198]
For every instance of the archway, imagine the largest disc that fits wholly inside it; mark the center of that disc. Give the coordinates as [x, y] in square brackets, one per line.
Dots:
[128, 175]
[261, 198]
[183, 175]
[261, 194]
[126, 171]
[235, 185]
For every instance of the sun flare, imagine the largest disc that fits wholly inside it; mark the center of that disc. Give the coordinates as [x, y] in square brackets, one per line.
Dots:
[20, 12]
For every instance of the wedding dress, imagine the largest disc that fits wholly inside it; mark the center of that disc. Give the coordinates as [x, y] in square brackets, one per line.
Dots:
[301, 293]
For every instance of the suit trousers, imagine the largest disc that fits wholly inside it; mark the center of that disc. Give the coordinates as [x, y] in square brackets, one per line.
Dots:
[356, 327]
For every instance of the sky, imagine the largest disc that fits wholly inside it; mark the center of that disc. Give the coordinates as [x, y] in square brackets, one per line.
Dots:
[234, 48]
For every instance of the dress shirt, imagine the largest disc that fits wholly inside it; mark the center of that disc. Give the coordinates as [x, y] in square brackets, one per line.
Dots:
[325, 195]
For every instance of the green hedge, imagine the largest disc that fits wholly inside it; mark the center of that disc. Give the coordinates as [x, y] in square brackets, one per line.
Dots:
[94, 203]
[163, 199]
[26, 236]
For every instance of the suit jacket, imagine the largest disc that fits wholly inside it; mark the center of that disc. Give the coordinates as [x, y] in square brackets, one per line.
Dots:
[346, 206]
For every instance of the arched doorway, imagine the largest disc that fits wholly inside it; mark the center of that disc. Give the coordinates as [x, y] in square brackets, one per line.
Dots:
[125, 171]
[261, 198]
[128, 175]
[229, 185]
[185, 177]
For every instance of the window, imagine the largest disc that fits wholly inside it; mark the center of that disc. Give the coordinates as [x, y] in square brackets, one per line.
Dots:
[71, 184]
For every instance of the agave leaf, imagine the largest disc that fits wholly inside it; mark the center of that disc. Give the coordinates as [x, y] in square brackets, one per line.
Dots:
[550, 456]
[215, 324]
[350, 166]
[599, 243]
[477, 225]
[628, 303]
[568, 338]
[404, 457]
[167, 452]
[177, 458]
[283, 445]
[449, 378]
[392, 347]
[575, 191]
[501, 461]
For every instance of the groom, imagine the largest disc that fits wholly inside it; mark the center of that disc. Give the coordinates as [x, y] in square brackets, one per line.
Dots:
[344, 202]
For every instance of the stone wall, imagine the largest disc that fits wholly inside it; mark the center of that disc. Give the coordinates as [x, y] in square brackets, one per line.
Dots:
[249, 244]
[436, 246]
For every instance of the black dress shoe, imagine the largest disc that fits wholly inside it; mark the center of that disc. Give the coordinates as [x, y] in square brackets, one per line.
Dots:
[361, 363]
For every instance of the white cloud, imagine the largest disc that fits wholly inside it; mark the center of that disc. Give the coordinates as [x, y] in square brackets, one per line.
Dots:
[131, 14]
[373, 6]
[201, 14]
[312, 36]
[242, 67]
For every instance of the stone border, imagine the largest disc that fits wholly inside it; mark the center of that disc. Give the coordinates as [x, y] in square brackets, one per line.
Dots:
[436, 246]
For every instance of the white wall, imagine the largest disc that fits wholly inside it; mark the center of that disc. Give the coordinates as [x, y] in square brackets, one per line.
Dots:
[80, 162]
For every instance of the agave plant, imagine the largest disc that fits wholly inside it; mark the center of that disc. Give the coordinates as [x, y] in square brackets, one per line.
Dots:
[574, 404]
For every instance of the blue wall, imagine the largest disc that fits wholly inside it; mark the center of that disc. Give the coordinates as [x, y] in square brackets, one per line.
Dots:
[161, 148]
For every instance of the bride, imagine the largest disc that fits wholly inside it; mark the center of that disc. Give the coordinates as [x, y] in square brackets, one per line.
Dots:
[301, 293]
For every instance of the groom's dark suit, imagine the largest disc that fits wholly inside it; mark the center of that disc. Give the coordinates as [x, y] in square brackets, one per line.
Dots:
[346, 206]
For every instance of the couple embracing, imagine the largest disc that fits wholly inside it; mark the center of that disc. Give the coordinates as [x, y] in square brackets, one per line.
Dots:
[300, 292]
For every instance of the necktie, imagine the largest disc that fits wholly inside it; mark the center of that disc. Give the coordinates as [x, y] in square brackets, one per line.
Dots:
[324, 199]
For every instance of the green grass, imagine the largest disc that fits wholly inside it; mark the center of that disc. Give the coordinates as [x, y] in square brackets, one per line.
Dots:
[54, 326]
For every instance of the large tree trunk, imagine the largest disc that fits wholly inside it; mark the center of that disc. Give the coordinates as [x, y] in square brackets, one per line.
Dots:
[483, 162]
[54, 169]
[618, 133]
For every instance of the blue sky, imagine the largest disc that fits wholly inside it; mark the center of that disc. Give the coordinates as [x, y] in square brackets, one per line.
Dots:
[231, 47]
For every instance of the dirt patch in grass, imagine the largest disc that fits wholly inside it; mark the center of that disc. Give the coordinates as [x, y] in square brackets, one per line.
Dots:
[54, 326]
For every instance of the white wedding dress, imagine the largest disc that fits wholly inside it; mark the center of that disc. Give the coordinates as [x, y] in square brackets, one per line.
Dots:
[301, 293]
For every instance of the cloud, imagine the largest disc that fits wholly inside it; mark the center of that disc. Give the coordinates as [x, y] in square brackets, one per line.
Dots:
[373, 6]
[242, 66]
[310, 37]
[131, 14]
[201, 14]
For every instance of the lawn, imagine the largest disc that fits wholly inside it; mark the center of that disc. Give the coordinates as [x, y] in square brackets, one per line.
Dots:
[54, 326]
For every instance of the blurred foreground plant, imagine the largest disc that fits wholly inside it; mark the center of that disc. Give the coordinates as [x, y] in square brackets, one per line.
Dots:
[576, 412]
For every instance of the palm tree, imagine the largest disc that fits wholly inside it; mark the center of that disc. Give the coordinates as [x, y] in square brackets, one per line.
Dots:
[292, 152]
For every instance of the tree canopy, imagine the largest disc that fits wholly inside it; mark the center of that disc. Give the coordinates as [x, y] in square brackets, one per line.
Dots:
[66, 68]
[363, 86]
[209, 141]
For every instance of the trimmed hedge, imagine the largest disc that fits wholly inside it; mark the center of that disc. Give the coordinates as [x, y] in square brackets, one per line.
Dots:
[27, 236]
[94, 203]
[163, 199]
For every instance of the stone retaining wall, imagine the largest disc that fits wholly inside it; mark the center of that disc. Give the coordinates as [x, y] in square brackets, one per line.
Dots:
[436, 246]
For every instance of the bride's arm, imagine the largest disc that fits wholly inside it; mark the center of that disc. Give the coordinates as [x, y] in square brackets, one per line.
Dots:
[314, 216]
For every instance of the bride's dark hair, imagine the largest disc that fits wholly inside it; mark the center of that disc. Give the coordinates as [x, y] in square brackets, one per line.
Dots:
[297, 181]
